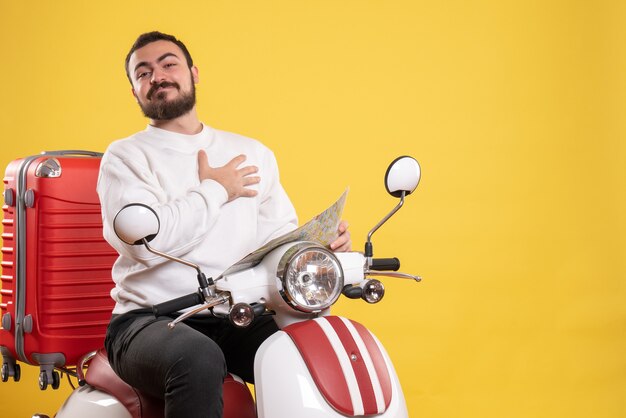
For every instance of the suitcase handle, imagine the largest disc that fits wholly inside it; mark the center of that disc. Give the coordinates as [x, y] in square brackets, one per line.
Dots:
[73, 152]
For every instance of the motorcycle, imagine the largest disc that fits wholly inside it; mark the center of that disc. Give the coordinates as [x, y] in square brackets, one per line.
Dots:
[317, 365]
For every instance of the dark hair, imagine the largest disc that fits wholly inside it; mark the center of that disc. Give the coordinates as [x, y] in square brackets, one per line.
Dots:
[149, 37]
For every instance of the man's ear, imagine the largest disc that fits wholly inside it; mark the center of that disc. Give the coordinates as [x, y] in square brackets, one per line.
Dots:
[194, 74]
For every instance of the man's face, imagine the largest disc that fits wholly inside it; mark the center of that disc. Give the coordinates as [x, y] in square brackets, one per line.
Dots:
[162, 82]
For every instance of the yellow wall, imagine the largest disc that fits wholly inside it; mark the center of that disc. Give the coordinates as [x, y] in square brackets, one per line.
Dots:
[515, 110]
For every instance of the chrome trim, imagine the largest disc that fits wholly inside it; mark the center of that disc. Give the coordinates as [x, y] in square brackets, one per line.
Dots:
[80, 375]
[49, 168]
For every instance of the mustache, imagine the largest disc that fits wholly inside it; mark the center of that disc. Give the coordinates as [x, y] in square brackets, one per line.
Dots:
[162, 84]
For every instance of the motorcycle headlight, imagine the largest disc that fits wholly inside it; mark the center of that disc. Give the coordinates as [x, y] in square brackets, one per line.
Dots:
[311, 277]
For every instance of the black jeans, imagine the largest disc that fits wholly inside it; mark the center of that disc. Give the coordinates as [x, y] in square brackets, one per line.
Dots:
[184, 366]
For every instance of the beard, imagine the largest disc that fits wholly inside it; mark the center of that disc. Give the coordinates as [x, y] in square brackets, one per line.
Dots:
[159, 108]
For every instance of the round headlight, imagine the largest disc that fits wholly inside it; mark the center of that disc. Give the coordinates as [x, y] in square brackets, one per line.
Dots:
[311, 276]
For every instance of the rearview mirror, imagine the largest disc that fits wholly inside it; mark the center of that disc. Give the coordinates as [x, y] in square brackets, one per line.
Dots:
[136, 222]
[401, 179]
[403, 175]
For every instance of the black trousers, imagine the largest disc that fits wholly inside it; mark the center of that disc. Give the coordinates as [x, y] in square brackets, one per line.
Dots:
[184, 366]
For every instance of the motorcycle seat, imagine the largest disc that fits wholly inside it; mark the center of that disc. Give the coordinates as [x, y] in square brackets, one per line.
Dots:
[238, 402]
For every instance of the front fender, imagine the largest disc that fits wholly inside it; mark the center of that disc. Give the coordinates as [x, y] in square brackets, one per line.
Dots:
[327, 367]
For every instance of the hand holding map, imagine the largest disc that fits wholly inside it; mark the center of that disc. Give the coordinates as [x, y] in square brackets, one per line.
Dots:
[321, 229]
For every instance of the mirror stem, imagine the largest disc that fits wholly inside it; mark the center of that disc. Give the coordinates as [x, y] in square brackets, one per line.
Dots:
[207, 286]
[369, 249]
[171, 257]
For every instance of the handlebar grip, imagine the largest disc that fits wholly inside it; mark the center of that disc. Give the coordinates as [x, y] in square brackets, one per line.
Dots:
[382, 264]
[177, 304]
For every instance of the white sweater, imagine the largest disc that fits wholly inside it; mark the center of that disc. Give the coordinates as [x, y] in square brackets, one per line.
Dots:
[159, 168]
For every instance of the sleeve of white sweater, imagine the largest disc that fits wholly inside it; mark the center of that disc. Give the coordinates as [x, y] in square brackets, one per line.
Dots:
[183, 222]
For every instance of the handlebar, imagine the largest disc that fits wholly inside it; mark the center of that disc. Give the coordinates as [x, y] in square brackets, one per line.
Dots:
[385, 264]
[177, 304]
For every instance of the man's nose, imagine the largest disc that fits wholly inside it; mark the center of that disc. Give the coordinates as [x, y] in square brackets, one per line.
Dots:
[157, 76]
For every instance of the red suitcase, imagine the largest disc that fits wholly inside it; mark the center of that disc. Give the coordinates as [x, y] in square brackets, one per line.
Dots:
[56, 266]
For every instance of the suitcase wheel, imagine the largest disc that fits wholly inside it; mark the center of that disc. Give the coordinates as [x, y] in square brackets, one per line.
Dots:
[6, 372]
[56, 380]
[44, 381]
[17, 373]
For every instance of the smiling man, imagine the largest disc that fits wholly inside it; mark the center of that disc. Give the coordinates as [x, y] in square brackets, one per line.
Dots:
[211, 214]
[162, 77]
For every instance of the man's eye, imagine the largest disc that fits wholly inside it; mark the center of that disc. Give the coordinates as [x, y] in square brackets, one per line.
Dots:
[142, 75]
[170, 64]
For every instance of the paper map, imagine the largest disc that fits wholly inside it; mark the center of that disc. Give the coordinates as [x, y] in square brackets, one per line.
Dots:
[321, 229]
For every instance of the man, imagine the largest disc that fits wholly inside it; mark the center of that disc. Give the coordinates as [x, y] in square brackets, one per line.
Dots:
[218, 197]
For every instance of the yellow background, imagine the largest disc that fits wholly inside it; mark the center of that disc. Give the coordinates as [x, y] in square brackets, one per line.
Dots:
[515, 110]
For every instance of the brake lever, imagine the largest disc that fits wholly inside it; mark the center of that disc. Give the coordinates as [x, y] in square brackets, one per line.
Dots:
[395, 274]
[218, 300]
